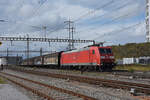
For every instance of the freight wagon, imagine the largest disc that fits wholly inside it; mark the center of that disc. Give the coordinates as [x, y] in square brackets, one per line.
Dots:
[44, 60]
[29, 61]
[52, 59]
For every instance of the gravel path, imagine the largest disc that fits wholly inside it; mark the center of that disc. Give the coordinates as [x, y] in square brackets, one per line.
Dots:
[98, 92]
[8, 92]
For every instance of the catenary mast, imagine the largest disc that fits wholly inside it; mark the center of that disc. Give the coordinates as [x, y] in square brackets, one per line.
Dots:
[147, 20]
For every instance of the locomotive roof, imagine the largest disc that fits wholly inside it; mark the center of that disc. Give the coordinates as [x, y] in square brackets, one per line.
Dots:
[82, 49]
[77, 50]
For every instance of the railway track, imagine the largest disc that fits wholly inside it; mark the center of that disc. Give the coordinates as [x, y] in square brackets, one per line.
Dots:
[142, 88]
[134, 75]
[11, 77]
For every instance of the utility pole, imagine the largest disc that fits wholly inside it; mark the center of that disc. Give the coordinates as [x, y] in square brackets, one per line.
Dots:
[7, 56]
[73, 37]
[41, 51]
[70, 31]
[44, 27]
[28, 49]
[147, 21]
[17, 59]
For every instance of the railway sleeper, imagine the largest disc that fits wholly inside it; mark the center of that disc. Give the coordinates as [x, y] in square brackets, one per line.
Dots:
[98, 81]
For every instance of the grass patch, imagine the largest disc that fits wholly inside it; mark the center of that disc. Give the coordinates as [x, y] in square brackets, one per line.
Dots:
[2, 81]
[132, 68]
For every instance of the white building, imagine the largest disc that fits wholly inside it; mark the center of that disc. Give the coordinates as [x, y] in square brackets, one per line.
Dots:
[144, 60]
[3, 61]
[130, 61]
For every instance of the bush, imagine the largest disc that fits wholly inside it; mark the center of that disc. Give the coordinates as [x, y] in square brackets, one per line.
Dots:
[2, 81]
[131, 70]
[131, 50]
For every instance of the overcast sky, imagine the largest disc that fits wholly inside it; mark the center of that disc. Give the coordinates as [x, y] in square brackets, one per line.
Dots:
[113, 21]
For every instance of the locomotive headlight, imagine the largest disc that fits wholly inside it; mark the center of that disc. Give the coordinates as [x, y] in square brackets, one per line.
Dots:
[111, 57]
[102, 57]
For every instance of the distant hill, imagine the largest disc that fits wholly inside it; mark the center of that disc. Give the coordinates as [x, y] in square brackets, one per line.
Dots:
[131, 50]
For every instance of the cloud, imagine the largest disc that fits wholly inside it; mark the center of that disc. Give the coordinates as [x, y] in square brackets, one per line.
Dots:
[140, 30]
[88, 4]
[29, 16]
[26, 10]
[115, 33]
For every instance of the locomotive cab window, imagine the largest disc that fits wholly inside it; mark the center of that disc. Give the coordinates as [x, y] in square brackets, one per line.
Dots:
[105, 51]
[109, 51]
[102, 51]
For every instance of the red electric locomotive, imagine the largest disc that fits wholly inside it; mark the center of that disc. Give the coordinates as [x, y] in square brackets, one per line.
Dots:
[93, 57]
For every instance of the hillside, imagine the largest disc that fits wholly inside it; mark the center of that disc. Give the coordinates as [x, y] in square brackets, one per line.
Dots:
[131, 50]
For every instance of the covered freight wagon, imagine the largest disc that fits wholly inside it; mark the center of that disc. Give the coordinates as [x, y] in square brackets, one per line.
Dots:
[51, 59]
[38, 60]
[48, 60]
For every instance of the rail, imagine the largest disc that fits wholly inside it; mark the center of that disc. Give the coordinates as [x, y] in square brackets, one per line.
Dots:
[84, 97]
[29, 89]
[144, 88]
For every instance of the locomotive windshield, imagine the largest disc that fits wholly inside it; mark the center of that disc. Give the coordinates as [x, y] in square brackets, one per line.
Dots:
[105, 50]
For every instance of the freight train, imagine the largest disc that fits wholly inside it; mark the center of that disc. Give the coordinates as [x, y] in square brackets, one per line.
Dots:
[92, 57]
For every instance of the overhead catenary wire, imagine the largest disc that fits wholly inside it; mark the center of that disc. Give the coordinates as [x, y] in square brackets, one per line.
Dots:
[115, 19]
[102, 7]
[41, 4]
[110, 21]
[113, 10]
[32, 26]
[36, 10]
[93, 11]
[119, 30]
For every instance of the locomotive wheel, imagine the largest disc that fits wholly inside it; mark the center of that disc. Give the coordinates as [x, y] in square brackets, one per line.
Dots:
[97, 68]
[90, 68]
[109, 69]
[102, 68]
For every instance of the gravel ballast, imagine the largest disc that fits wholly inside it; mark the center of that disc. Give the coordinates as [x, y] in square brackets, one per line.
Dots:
[103, 75]
[98, 92]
